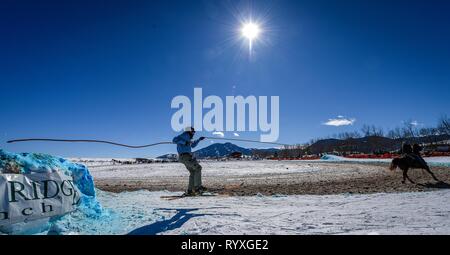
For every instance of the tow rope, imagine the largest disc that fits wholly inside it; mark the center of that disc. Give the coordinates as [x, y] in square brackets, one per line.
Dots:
[127, 145]
[85, 141]
[245, 140]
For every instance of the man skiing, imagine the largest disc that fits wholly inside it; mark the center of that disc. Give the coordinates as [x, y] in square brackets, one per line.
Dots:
[184, 145]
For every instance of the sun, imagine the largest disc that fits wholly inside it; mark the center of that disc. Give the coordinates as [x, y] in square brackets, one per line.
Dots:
[250, 31]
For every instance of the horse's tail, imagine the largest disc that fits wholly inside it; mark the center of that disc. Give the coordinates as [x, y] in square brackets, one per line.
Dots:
[394, 164]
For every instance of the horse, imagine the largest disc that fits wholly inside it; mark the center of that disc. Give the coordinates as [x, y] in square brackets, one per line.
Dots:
[410, 161]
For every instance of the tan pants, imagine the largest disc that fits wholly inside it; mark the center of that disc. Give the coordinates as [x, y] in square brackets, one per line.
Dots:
[195, 170]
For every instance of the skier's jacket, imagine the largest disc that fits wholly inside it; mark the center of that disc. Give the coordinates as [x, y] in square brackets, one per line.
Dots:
[184, 143]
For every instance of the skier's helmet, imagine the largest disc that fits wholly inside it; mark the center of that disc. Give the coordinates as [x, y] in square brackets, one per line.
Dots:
[189, 129]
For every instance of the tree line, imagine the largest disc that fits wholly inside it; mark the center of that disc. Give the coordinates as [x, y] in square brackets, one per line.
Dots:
[408, 131]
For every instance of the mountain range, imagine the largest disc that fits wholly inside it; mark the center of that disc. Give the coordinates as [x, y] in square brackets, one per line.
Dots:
[368, 144]
[220, 150]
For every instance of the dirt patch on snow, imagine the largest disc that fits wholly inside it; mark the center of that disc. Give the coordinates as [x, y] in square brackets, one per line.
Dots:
[318, 178]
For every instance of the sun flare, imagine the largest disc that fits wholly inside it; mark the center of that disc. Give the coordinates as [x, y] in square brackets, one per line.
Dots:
[250, 31]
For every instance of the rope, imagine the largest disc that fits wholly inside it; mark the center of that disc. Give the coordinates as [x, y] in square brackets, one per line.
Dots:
[86, 141]
[245, 140]
[129, 146]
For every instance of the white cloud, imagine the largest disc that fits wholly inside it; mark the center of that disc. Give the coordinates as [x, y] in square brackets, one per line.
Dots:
[218, 133]
[235, 134]
[412, 123]
[340, 121]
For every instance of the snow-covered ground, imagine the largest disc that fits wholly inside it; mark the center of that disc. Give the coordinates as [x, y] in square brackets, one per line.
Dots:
[144, 212]
[229, 168]
[432, 161]
[211, 168]
[438, 161]
[93, 162]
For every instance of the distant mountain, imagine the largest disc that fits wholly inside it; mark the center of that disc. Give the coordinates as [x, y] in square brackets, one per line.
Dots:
[168, 156]
[269, 150]
[369, 144]
[221, 150]
[364, 144]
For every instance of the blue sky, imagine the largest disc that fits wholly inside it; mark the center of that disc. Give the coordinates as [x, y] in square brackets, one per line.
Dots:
[109, 69]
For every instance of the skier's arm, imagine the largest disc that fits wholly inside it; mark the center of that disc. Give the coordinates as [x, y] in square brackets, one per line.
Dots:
[195, 143]
[181, 139]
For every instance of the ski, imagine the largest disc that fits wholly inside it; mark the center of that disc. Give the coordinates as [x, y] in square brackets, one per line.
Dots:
[173, 197]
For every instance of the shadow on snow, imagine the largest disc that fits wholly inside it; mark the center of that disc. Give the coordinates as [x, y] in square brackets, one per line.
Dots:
[438, 185]
[181, 217]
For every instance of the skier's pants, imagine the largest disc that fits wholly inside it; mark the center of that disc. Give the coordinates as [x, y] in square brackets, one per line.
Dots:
[194, 168]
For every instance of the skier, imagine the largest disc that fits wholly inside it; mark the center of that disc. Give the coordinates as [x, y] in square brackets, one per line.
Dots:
[184, 144]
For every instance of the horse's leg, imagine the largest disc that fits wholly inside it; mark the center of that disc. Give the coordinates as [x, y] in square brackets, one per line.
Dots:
[405, 175]
[431, 173]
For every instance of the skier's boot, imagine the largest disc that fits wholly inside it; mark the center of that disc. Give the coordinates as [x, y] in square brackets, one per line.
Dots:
[201, 190]
[190, 193]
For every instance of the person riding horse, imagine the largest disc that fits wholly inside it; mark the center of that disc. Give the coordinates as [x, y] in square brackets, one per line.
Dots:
[410, 158]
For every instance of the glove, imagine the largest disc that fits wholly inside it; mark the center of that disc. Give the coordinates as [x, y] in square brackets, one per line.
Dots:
[202, 138]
